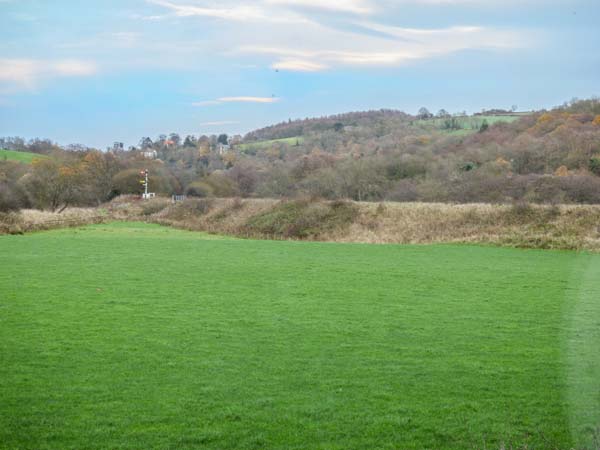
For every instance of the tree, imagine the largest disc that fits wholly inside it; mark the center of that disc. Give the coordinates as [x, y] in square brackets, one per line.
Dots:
[442, 113]
[484, 126]
[424, 114]
[52, 185]
[190, 141]
[145, 143]
[223, 139]
[99, 170]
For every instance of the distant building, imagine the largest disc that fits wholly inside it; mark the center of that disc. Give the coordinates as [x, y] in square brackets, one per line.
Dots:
[223, 148]
[149, 154]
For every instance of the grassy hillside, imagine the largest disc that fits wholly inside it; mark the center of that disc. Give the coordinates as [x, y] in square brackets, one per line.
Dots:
[259, 145]
[137, 336]
[465, 124]
[24, 157]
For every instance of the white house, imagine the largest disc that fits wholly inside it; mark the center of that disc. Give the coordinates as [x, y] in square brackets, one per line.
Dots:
[149, 154]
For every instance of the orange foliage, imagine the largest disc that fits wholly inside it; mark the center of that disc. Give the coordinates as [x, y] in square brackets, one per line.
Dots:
[597, 120]
[546, 117]
[562, 171]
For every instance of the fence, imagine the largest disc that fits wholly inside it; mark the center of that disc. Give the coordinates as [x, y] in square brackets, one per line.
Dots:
[178, 198]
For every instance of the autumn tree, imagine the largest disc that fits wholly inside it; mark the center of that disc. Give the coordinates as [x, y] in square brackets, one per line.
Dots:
[52, 185]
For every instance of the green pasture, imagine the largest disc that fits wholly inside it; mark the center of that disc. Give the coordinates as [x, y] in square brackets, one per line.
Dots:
[261, 145]
[137, 336]
[24, 157]
[467, 124]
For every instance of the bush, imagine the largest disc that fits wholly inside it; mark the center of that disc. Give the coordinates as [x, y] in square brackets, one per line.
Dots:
[191, 207]
[154, 206]
[521, 212]
[199, 189]
[11, 223]
[9, 200]
[302, 219]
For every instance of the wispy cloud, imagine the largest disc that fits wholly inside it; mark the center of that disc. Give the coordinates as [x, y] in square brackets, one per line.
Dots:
[349, 6]
[248, 99]
[243, 99]
[313, 36]
[26, 74]
[299, 65]
[396, 46]
[231, 11]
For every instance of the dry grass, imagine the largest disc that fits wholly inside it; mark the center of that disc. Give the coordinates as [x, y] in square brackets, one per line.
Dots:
[535, 226]
[35, 220]
[528, 226]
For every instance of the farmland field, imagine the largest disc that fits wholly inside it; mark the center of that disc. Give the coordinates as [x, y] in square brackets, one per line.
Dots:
[466, 124]
[25, 157]
[258, 145]
[138, 336]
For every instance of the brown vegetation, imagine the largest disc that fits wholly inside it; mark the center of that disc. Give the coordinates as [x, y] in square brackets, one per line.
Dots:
[574, 227]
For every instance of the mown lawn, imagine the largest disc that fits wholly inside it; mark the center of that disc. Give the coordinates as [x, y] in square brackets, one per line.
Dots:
[137, 336]
[24, 157]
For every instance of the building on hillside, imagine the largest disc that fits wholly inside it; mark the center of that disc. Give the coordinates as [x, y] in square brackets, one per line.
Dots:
[149, 154]
[223, 148]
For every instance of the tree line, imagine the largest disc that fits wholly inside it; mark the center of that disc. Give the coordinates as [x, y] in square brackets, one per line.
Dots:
[546, 157]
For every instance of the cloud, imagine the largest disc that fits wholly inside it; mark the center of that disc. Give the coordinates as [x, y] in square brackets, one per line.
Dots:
[232, 11]
[323, 48]
[349, 6]
[222, 100]
[26, 74]
[299, 65]
[320, 35]
[248, 99]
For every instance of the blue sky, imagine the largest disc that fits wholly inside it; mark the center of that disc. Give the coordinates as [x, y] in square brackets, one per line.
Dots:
[98, 71]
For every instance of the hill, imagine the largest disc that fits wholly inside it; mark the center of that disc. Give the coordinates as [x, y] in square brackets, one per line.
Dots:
[550, 157]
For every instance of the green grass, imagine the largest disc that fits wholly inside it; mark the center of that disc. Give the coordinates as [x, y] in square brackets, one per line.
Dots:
[24, 157]
[137, 336]
[261, 145]
[468, 125]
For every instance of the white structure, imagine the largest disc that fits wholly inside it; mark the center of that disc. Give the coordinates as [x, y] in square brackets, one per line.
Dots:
[222, 148]
[150, 154]
[146, 195]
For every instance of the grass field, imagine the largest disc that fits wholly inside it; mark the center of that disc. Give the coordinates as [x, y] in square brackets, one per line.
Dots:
[24, 157]
[467, 124]
[137, 336]
[266, 144]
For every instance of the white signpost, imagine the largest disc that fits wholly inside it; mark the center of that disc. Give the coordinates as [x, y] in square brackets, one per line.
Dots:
[146, 195]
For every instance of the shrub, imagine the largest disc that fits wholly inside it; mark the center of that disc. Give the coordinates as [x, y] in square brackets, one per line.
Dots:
[302, 219]
[594, 165]
[150, 207]
[520, 212]
[11, 223]
[9, 200]
[199, 189]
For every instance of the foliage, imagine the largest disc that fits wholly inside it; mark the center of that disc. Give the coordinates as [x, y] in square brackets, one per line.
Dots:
[542, 157]
[302, 219]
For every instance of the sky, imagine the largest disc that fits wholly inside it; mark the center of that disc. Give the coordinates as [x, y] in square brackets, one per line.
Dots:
[98, 71]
